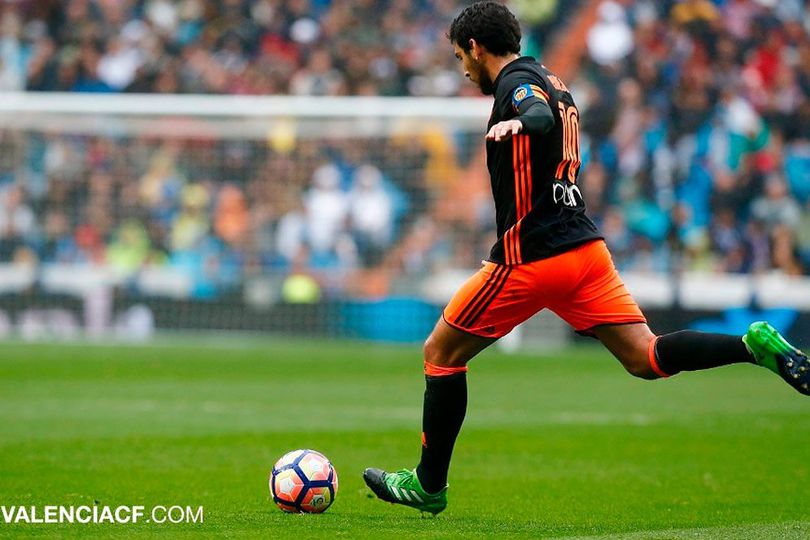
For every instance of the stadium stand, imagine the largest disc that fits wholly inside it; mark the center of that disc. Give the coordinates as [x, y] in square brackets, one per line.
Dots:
[695, 139]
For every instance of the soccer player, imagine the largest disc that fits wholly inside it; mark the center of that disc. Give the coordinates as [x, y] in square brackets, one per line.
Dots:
[548, 255]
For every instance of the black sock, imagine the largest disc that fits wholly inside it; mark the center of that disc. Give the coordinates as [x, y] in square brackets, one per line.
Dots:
[442, 415]
[688, 350]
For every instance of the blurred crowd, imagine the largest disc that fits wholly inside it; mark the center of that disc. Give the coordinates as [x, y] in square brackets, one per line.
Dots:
[219, 211]
[695, 140]
[698, 118]
[308, 47]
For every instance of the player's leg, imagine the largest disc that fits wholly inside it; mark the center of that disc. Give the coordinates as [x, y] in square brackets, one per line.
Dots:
[447, 347]
[629, 343]
[446, 354]
[487, 307]
[650, 357]
[601, 305]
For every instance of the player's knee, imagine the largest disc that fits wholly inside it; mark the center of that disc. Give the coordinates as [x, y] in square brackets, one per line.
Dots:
[437, 353]
[639, 367]
[434, 353]
[637, 362]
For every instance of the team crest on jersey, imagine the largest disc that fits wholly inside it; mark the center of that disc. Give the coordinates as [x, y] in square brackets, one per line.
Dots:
[525, 91]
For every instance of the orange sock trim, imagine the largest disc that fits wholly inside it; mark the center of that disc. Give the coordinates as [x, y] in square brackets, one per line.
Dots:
[438, 371]
[653, 362]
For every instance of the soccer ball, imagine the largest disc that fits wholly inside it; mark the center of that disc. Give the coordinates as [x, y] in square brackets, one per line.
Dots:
[303, 481]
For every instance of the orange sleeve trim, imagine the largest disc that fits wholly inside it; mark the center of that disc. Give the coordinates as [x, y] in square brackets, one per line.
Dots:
[653, 362]
[439, 371]
[539, 92]
[527, 151]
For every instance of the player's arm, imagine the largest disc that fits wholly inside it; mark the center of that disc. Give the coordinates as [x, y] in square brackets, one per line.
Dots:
[534, 116]
[537, 120]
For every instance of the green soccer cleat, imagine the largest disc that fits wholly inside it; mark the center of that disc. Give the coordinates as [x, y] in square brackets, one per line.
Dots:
[403, 487]
[772, 351]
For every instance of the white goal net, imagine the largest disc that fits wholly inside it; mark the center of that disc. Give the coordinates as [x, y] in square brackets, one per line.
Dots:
[125, 214]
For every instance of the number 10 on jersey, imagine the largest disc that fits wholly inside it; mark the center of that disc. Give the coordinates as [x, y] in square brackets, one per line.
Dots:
[570, 151]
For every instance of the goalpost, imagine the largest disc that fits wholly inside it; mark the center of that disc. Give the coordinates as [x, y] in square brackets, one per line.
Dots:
[313, 215]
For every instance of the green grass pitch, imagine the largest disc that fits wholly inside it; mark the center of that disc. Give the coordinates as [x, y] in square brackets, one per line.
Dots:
[561, 445]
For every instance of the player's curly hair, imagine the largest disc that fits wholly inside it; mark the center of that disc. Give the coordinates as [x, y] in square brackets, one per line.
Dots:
[489, 23]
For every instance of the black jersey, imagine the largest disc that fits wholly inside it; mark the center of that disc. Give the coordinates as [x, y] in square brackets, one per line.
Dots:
[539, 209]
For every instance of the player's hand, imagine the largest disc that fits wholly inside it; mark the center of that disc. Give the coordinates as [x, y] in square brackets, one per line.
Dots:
[504, 130]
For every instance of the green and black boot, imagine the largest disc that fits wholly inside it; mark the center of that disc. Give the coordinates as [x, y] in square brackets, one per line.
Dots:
[772, 351]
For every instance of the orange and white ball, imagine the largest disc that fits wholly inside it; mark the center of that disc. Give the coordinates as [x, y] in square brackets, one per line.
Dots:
[303, 481]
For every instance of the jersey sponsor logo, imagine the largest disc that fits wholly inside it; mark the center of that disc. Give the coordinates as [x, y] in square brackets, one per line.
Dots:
[567, 194]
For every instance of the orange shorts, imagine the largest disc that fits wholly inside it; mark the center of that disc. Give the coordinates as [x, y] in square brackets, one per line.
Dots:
[581, 286]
